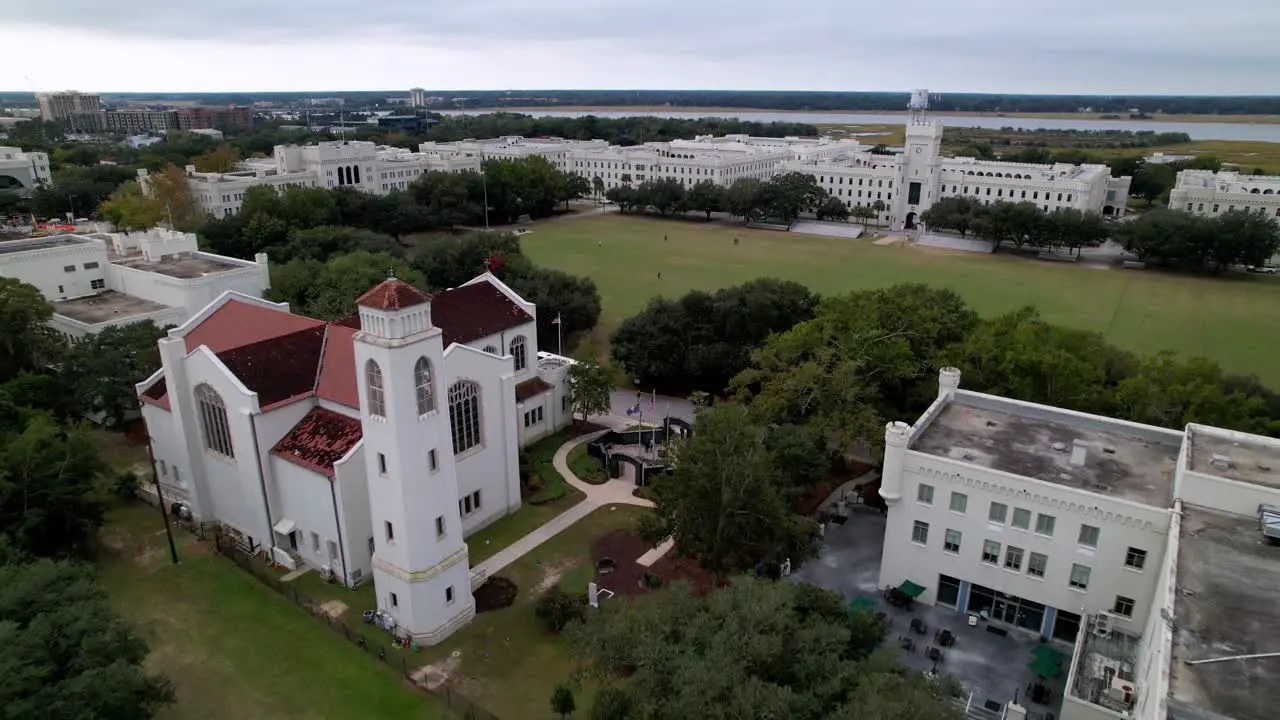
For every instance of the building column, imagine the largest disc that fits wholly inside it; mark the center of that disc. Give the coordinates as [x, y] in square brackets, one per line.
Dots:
[962, 601]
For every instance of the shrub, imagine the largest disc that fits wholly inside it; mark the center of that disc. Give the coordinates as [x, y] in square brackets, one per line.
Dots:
[556, 609]
[533, 484]
[125, 485]
[652, 581]
[496, 593]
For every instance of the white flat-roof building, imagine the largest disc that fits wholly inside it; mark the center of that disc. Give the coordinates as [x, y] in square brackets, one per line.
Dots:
[558, 151]
[1204, 192]
[1141, 551]
[22, 172]
[101, 280]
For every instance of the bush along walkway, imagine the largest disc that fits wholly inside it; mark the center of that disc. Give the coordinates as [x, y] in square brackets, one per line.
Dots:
[612, 492]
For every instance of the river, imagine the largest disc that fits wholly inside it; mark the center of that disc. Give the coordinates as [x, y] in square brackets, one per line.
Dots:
[1197, 130]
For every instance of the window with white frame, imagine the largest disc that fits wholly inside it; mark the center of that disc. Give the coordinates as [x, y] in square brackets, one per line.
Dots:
[990, 551]
[920, 532]
[951, 543]
[1088, 536]
[924, 494]
[213, 421]
[491, 349]
[959, 502]
[376, 399]
[1123, 606]
[464, 415]
[1135, 558]
[1044, 524]
[1021, 519]
[1079, 577]
[1037, 563]
[997, 513]
[422, 381]
[519, 354]
[1013, 558]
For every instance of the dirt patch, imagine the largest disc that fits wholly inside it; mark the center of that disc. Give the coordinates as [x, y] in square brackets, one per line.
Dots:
[551, 575]
[625, 547]
[333, 608]
[438, 673]
[496, 593]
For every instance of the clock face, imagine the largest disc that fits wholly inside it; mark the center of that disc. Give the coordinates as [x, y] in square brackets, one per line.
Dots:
[918, 149]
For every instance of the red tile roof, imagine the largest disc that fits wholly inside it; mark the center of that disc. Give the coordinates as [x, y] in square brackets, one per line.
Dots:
[156, 394]
[279, 368]
[530, 388]
[320, 439]
[473, 311]
[239, 323]
[392, 294]
[337, 379]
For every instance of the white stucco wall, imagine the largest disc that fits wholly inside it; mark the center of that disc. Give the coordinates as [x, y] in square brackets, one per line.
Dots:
[352, 487]
[303, 496]
[46, 268]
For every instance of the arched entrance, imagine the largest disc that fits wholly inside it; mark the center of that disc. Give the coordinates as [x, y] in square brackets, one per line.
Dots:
[1108, 211]
[910, 223]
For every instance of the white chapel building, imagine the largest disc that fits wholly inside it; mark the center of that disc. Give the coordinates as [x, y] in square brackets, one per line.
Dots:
[368, 449]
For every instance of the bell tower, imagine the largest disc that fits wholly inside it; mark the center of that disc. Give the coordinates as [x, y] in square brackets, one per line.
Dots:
[421, 570]
[922, 161]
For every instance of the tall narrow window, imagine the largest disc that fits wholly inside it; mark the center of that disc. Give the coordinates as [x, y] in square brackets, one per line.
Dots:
[357, 171]
[213, 421]
[422, 379]
[376, 399]
[464, 415]
[518, 352]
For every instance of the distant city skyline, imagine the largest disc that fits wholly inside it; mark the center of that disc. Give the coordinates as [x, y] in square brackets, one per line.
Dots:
[1148, 47]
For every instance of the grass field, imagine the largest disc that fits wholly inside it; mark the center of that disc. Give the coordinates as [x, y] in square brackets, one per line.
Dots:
[232, 647]
[1234, 320]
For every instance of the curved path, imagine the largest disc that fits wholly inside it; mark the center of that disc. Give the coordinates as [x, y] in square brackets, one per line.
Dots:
[612, 492]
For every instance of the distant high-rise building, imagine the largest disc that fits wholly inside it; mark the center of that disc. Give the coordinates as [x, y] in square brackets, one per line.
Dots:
[417, 97]
[219, 118]
[62, 105]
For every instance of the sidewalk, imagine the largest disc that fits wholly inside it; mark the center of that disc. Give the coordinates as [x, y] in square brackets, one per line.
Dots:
[613, 492]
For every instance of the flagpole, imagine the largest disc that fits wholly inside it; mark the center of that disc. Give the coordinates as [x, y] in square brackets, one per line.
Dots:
[559, 336]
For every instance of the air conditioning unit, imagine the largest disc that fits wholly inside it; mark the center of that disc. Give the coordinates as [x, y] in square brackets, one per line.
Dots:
[1121, 691]
[326, 572]
[1102, 625]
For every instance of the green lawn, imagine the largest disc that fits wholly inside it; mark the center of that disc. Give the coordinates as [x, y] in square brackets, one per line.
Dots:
[587, 468]
[232, 647]
[1234, 320]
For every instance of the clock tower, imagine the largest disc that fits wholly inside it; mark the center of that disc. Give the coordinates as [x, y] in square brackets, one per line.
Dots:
[922, 162]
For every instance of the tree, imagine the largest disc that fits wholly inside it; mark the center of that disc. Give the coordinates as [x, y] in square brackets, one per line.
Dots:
[591, 385]
[1180, 239]
[328, 290]
[801, 455]
[705, 197]
[724, 504]
[171, 199]
[625, 197]
[25, 336]
[1243, 238]
[128, 208]
[221, 159]
[597, 186]
[863, 213]
[67, 655]
[747, 199]
[104, 367]
[303, 207]
[832, 209]
[322, 243]
[793, 193]
[576, 187]
[702, 340]
[445, 199]
[666, 196]
[50, 504]
[451, 260]
[755, 649]
[953, 213]
[1151, 181]
[1171, 392]
[877, 208]
[562, 702]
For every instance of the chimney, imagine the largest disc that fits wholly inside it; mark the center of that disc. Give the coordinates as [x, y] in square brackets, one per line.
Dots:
[1078, 453]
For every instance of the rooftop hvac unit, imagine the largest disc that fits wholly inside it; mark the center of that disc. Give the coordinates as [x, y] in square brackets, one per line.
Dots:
[1269, 521]
[1121, 691]
[1102, 625]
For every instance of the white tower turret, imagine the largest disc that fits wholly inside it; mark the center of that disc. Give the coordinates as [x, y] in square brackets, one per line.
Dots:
[922, 163]
[896, 437]
[421, 569]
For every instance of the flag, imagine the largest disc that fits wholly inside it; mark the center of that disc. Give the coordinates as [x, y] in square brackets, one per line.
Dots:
[557, 320]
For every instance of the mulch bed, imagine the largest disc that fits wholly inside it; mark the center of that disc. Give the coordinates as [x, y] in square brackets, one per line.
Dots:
[624, 547]
[496, 593]
[809, 503]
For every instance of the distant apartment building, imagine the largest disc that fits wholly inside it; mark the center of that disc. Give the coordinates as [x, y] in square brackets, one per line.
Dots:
[63, 105]
[417, 97]
[217, 118]
[100, 280]
[132, 122]
[1204, 192]
[22, 172]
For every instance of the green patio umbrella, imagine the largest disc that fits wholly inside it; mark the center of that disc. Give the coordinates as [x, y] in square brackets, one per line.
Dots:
[1046, 667]
[910, 589]
[1048, 652]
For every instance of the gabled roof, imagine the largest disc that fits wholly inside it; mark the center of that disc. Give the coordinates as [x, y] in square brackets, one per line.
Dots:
[531, 387]
[279, 368]
[473, 311]
[237, 323]
[320, 439]
[392, 294]
[337, 377]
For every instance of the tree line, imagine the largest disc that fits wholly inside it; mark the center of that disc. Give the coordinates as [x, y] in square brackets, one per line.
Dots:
[782, 198]
[67, 654]
[1021, 224]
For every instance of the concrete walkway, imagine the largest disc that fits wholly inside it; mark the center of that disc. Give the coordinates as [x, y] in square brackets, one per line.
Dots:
[613, 492]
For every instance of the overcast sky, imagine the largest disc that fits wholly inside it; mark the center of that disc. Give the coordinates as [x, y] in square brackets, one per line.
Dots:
[1017, 46]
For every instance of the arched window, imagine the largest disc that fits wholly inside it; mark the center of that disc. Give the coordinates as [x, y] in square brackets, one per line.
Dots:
[518, 352]
[377, 401]
[464, 415]
[491, 349]
[1268, 192]
[422, 379]
[1254, 191]
[357, 171]
[213, 421]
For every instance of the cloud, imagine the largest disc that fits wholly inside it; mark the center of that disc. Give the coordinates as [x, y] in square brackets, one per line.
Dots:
[1151, 46]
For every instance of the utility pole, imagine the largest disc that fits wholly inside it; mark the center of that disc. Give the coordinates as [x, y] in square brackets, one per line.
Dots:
[155, 478]
[484, 183]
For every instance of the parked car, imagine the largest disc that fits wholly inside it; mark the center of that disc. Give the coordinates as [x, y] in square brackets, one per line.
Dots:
[1263, 270]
